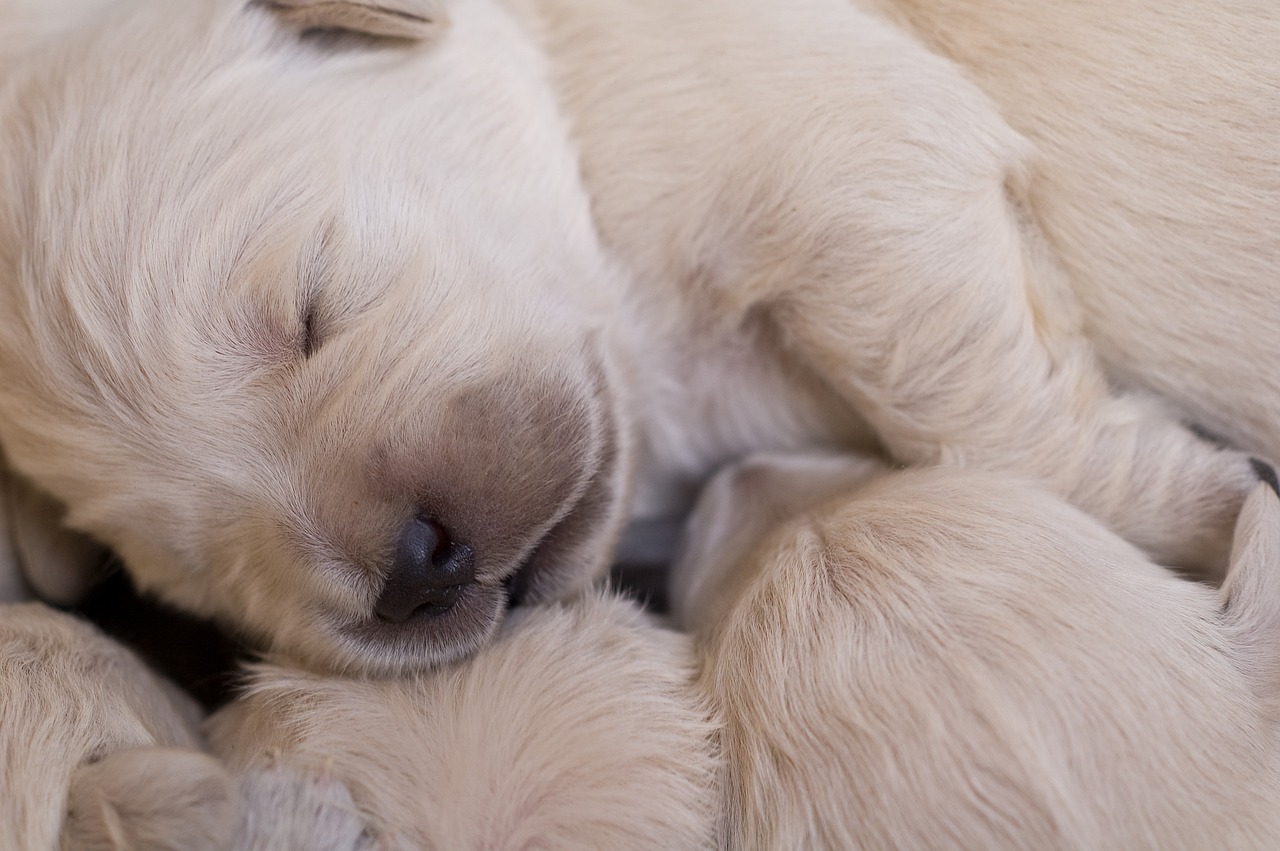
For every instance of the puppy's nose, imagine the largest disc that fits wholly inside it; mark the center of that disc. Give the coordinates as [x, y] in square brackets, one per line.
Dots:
[428, 572]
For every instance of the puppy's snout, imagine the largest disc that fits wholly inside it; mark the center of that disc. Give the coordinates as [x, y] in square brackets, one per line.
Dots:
[428, 572]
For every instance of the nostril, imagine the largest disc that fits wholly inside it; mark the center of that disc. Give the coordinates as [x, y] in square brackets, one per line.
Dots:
[428, 571]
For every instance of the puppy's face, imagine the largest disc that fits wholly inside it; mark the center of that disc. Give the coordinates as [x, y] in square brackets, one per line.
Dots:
[310, 328]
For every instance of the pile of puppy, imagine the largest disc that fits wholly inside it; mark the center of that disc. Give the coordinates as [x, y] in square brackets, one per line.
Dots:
[364, 329]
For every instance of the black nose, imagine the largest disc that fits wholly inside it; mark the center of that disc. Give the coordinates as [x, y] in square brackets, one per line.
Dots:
[428, 572]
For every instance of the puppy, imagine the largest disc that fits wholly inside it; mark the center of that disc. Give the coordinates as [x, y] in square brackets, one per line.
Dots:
[347, 323]
[96, 751]
[579, 728]
[952, 660]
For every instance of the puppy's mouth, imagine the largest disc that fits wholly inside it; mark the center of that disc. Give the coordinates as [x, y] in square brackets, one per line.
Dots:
[571, 552]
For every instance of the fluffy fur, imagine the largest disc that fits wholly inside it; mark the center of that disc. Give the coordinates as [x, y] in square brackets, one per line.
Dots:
[1156, 181]
[579, 728]
[266, 294]
[77, 710]
[951, 660]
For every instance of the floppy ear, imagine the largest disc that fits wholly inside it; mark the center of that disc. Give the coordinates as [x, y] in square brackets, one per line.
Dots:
[408, 19]
[41, 554]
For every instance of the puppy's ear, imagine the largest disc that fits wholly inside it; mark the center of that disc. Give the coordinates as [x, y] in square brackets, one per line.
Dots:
[743, 503]
[150, 798]
[60, 564]
[416, 20]
[1251, 595]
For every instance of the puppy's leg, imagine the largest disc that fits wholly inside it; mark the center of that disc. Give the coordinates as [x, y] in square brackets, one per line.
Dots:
[578, 728]
[70, 695]
[929, 299]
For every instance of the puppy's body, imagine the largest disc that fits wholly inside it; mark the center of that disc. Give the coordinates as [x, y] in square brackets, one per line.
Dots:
[1157, 181]
[277, 305]
[944, 660]
[579, 728]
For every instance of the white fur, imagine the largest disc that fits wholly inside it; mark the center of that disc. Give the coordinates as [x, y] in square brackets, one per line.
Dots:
[246, 480]
[76, 708]
[951, 660]
[579, 728]
[267, 296]
[1157, 181]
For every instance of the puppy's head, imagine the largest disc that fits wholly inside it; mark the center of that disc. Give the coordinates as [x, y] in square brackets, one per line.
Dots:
[302, 313]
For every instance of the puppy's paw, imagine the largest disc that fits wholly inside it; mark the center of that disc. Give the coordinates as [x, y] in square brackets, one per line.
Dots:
[150, 799]
[284, 808]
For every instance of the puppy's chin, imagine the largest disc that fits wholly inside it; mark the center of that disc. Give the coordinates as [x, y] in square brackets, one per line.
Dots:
[428, 638]
[569, 557]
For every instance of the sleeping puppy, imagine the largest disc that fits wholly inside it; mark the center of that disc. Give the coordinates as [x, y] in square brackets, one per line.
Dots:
[578, 728]
[951, 660]
[348, 323]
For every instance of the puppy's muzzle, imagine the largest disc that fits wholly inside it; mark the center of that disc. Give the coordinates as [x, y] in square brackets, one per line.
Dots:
[428, 573]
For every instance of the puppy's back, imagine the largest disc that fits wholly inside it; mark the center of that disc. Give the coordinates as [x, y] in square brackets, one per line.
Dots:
[954, 661]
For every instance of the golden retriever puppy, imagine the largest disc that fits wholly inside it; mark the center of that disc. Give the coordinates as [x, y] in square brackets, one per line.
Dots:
[578, 728]
[951, 660]
[347, 323]
[97, 752]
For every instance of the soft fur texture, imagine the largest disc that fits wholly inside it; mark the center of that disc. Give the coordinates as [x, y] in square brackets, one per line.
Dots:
[1157, 181]
[267, 294]
[87, 732]
[579, 728]
[951, 660]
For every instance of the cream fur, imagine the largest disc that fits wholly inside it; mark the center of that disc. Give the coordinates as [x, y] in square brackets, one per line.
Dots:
[1157, 181]
[267, 295]
[578, 728]
[341, 353]
[75, 709]
[951, 660]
